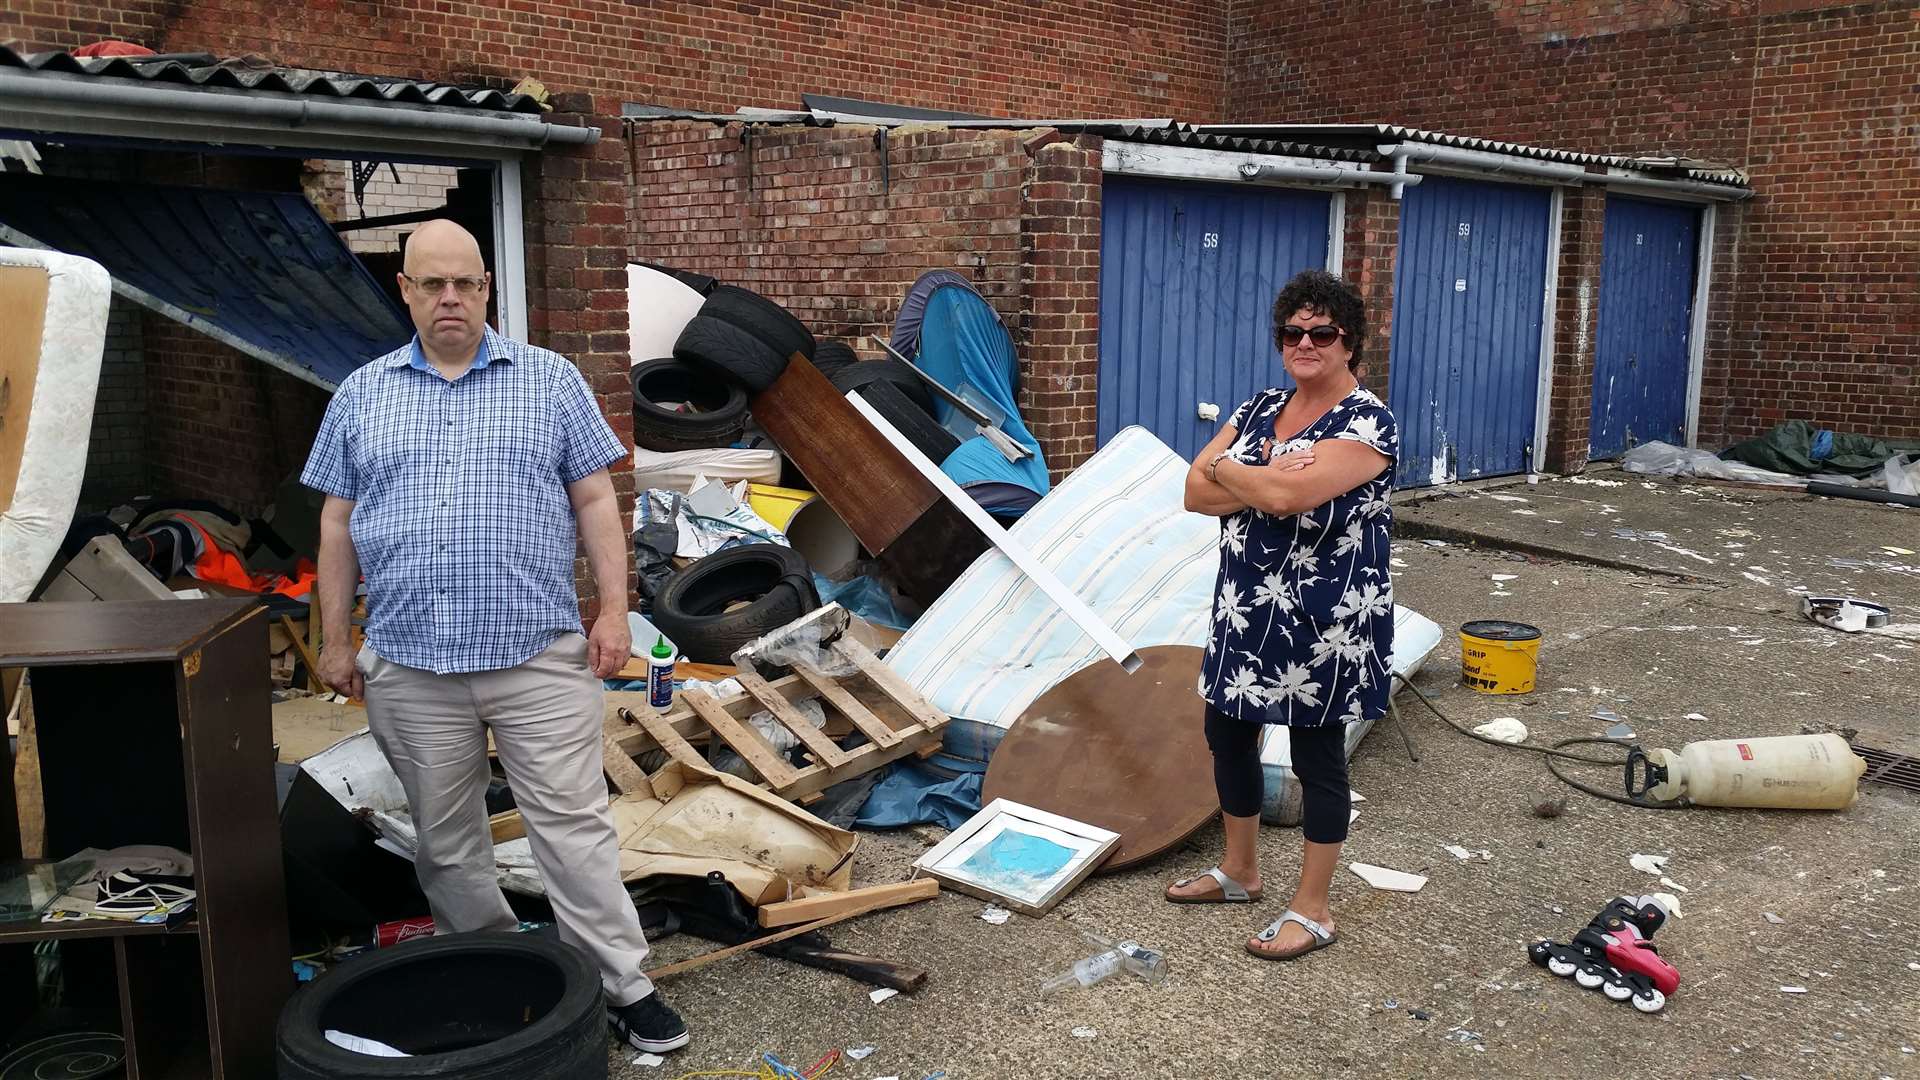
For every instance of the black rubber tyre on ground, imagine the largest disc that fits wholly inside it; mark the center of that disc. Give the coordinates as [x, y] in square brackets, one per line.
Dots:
[717, 346]
[721, 405]
[831, 356]
[854, 376]
[920, 429]
[772, 586]
[760, 317]
[467, 1006]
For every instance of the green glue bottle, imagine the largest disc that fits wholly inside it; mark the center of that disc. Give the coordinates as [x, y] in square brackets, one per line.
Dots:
[660, 674]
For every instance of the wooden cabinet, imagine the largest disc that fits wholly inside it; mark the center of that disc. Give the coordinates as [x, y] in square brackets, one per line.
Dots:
[154, 726]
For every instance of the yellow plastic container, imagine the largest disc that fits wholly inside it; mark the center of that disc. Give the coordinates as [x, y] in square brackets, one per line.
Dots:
[777, 505]
[1499, 657]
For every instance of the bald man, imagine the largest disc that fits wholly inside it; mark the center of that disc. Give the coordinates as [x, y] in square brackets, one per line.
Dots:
[455, 470]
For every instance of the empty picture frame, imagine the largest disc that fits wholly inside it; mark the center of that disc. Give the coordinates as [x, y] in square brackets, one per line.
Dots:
[1019, 857]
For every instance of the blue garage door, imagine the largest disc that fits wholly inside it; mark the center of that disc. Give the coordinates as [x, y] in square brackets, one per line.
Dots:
[1646, 313]
[1188, 273]
[1469, 288]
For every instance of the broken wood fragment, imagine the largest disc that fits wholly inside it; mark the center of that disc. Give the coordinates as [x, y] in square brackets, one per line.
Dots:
[821, 905]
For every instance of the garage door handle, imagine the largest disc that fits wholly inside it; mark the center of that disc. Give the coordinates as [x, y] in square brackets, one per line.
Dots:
[1208, 411]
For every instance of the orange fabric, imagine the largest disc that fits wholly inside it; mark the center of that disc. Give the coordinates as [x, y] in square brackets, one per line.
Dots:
[113, 48]
[217, 564]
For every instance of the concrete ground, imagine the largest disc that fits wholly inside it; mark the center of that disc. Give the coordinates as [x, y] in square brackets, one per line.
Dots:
[1437, 983]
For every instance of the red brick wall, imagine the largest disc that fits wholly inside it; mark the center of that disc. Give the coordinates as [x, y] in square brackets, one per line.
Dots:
[1576, 319]
[1002, 57]
[1060, 243]
[814, 219]
[576, 235]
[1821, 102]
[221, 425]
[1368, 252]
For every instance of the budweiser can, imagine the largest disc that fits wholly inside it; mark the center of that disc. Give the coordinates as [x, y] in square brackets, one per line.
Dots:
[388, 934]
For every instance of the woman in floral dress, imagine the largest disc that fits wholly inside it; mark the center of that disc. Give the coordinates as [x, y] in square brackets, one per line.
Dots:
[1303, 616]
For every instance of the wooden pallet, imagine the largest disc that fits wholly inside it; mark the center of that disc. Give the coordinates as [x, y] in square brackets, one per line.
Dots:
[874, 700]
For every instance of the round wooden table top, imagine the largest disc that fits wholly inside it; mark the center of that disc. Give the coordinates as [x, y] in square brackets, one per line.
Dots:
[1124, 752]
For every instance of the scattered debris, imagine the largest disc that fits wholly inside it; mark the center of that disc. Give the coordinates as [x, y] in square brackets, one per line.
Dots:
[882, 994]
[1435, 543]
[1420, 1014]
[1390, 880]
[1649, 864]
[1549, 808]
[1845, 613]
[1695, 716]
[1391, 1003]
[1670, 902]
[1084, 1032]
[1672, 884]
[1354, 796]
[1463, 854]
[1772, 918]
[1891, 550]
[861, 1053]
[651, 1061]
[1505, 577]
[995, 914]
[1462, 1035]
[1507, 729]
[1793, 989]
[1620, 731]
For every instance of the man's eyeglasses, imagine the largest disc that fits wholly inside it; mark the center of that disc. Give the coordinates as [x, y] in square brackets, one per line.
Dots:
[434, 286]
[1322, 336]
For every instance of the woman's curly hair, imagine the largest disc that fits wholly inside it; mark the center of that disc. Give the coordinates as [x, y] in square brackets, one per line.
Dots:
[1322, 293]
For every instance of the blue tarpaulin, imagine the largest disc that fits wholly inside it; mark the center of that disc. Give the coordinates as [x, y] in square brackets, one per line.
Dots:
[943, 791]
[258, 270]
[955, 336]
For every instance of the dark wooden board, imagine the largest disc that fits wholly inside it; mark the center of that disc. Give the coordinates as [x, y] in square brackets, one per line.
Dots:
[82, 633]
[1124, 752]
[873, 488]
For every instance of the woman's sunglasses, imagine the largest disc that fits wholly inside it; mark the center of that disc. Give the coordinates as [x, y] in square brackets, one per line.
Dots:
[1322, 336]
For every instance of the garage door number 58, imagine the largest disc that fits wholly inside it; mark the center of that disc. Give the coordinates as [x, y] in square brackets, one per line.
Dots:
[1210, 240]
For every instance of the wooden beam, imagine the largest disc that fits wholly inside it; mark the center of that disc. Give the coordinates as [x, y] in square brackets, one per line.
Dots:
[822, 748]
[746, 741]
[888, 680]
[747, 946]
[875, 729]
[506, 825]
[788, 912]
[663, 734]
[29, 799]
[626, 773]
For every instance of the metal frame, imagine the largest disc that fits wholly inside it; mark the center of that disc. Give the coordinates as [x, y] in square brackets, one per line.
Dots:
[1232, 166]
[1697, 333]
[1336, 233]
[1549, 319]
[509, 251]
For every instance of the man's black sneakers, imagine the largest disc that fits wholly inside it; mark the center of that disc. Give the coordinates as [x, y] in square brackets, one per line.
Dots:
[648, 1024]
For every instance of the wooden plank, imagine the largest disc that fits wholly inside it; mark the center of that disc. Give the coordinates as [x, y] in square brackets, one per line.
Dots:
[822, 748]
[788, 912]
[306, 652]
[28, 801]
[887, 679]
[875, 729]
[747, 742]
[663, 734]
[626, 773]
[304, 726]
[506, 825]
[862, 478]
[684, 720]
[861, 760]
[746, 946]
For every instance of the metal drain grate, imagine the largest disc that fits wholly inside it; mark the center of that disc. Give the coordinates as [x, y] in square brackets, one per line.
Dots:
[1886, 767]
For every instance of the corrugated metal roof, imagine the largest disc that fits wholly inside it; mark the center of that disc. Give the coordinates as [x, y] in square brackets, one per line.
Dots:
[1164, 131]
[257, 270]
[253, 74]
[1370, 135]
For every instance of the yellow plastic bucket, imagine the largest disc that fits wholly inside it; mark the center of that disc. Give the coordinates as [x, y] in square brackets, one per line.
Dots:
[1499, 657]
[777, 505]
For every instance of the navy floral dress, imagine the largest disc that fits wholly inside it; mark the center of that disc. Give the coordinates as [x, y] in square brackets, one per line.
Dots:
[1303, 615]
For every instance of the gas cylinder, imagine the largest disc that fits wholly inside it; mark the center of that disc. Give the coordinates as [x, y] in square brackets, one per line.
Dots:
[1790, 772]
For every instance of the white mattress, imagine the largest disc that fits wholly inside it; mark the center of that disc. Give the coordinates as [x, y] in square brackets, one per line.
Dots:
[659, 306]
[1117, 533]
[58, 421]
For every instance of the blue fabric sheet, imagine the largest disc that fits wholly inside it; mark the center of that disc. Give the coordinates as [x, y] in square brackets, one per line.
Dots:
[962, 342]
[918, 793]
